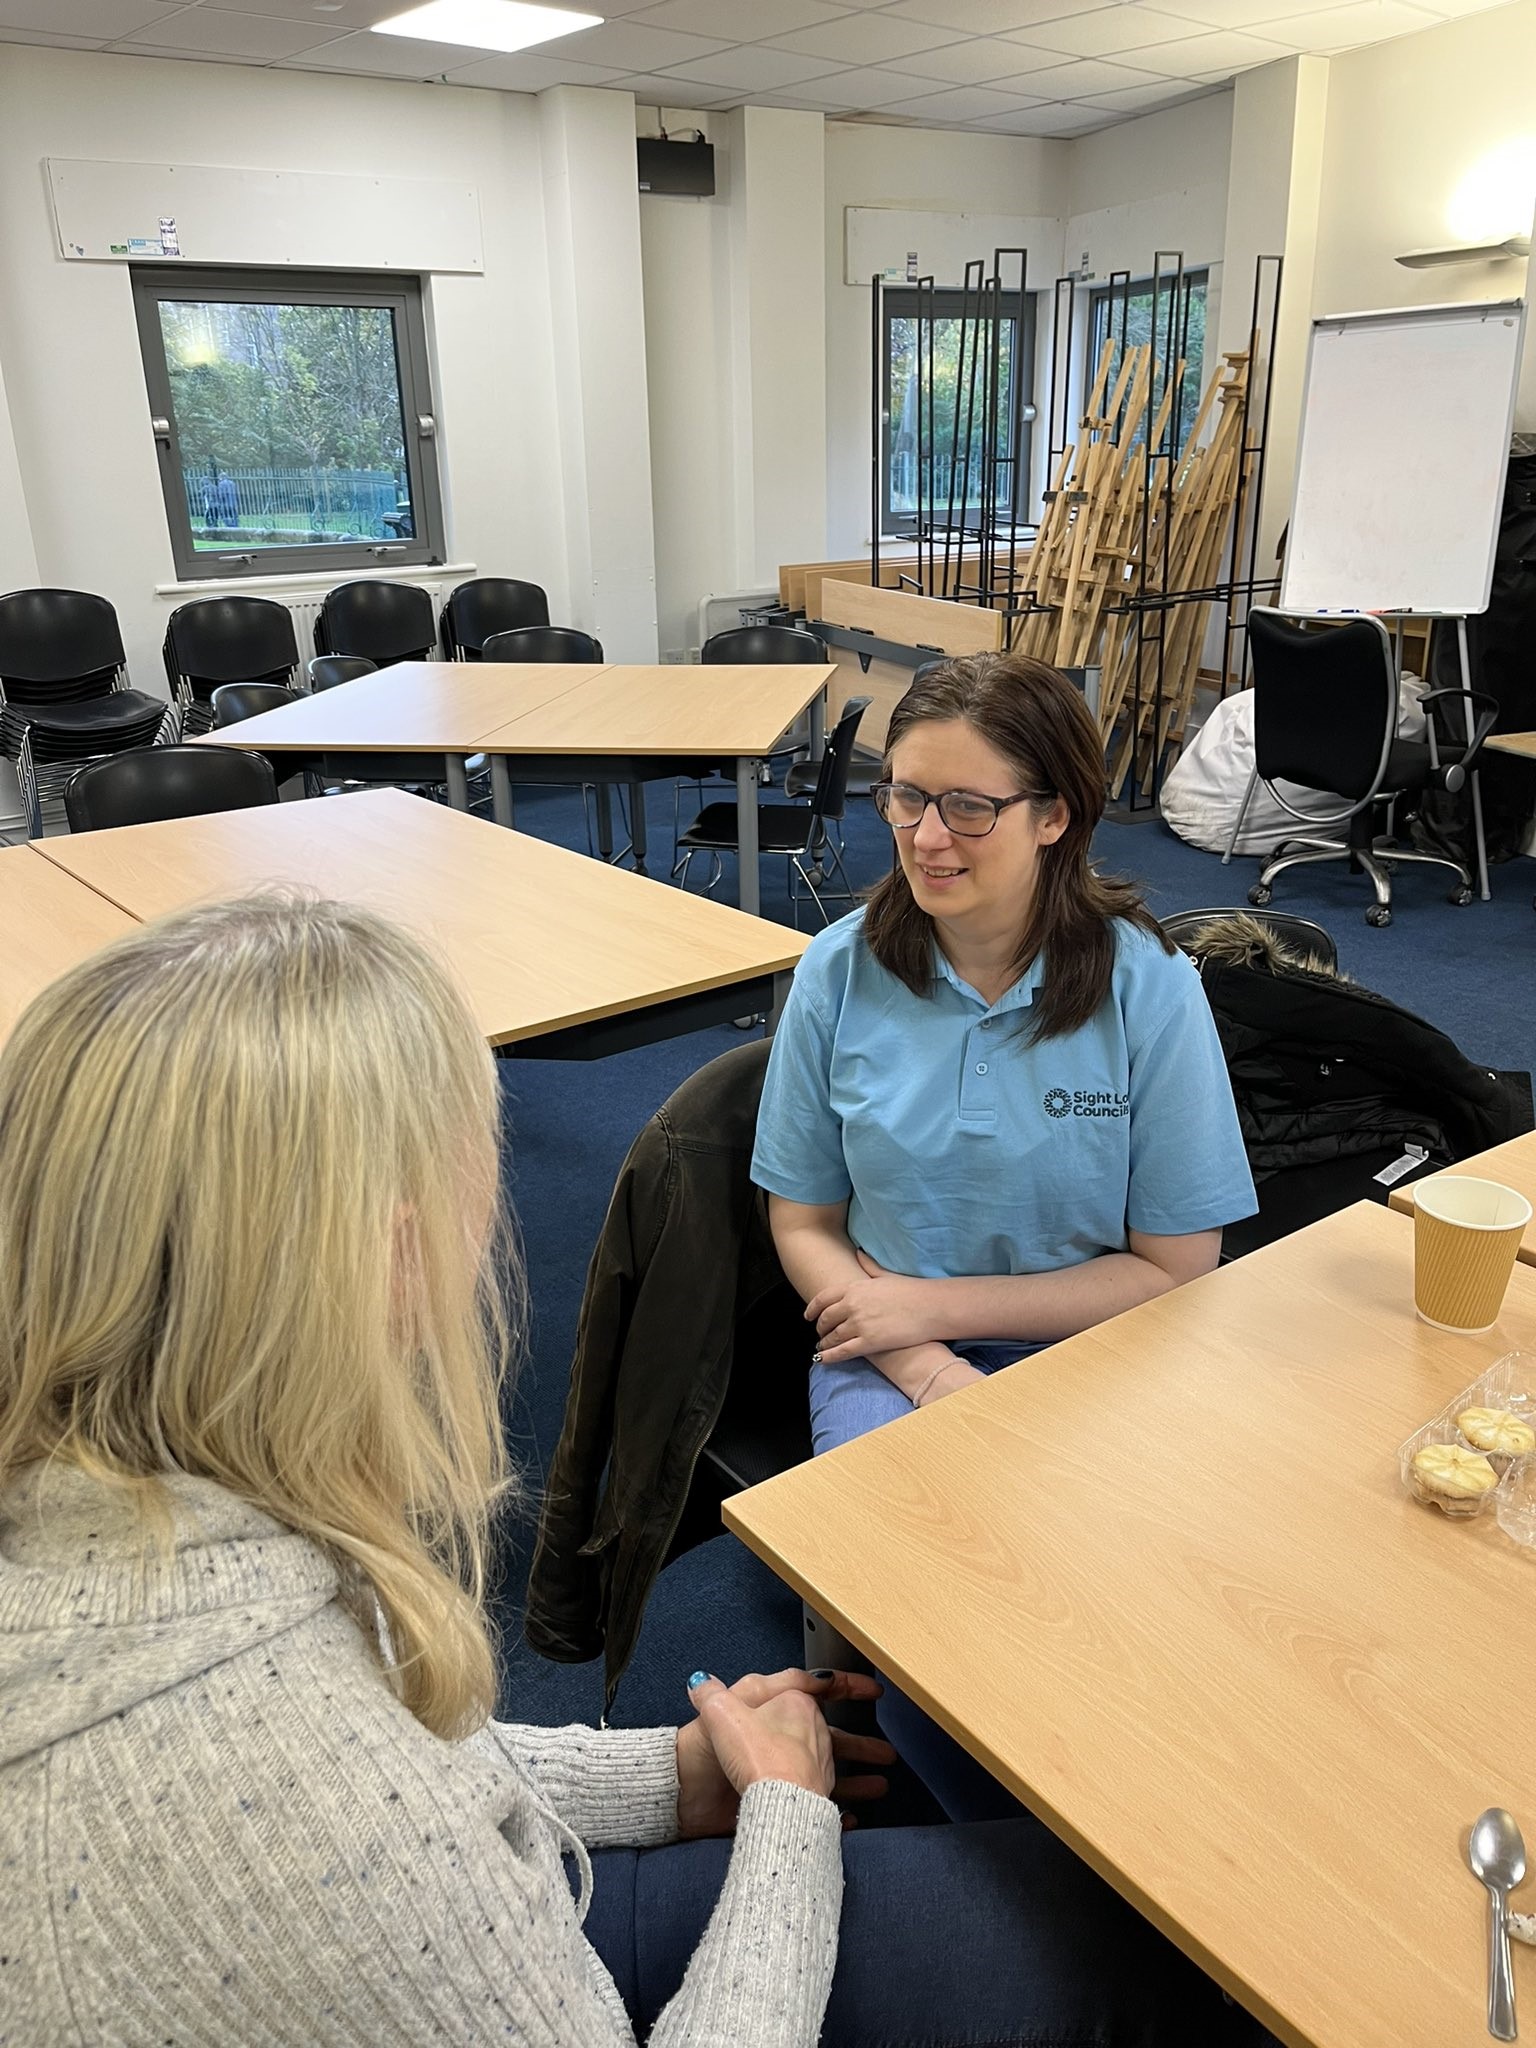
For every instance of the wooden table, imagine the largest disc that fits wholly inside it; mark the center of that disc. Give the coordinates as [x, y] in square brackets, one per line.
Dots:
[1513, 1163]
[561, 956]
[619, 723]
[1163, 1582]
[1523, 743]
[48, 922]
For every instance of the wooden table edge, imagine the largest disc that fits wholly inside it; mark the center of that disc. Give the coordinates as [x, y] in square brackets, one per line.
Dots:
[490, 742]
[1043, 1810]
[1401, 1202]
[627, 1006]
[40, 846]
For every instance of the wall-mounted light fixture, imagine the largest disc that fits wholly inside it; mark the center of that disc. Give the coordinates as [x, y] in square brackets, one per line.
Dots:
[1506, 251]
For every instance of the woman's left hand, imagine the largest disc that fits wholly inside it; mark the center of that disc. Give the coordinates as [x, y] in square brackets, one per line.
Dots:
[882, 1312]
[707, 1802]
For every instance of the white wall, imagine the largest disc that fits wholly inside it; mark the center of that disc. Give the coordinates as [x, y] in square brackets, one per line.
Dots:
[1156, 183]
[69, 354]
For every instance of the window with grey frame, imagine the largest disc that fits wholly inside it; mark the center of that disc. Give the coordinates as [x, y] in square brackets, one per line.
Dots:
[1127, 313]
[947, 477]
[293, 418]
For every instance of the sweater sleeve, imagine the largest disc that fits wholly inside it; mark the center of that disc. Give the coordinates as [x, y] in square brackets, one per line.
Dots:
[763, 1971]
[615, 1788]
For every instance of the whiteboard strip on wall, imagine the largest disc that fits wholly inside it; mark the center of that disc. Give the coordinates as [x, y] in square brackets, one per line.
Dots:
[1405, 427]
[205, 213]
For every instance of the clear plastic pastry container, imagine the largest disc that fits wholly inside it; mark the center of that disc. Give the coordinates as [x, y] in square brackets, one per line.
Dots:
[1508, 1387]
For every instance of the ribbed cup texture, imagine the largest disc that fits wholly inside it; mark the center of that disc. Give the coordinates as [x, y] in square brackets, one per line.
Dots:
[1459, 1275]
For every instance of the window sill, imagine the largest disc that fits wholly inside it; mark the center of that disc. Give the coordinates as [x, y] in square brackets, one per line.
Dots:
[312, 579]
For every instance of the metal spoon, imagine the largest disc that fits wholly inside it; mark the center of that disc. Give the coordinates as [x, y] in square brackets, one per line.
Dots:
[1496, 1853]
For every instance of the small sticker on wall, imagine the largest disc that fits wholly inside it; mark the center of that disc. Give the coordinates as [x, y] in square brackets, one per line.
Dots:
[911, 266]
[141, 245]
[169, 245]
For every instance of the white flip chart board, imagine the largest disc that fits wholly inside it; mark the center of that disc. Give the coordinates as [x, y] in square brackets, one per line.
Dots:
[1405, 425]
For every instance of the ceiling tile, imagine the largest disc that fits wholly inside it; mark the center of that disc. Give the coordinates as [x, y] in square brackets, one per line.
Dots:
[972, 63]
[210, 32]
[968, 17]
[632, 46]
[671, 92]
[179, 56]
[41, 38]
[964, 103]
[860, 88]
[348, 14]
[1216, 55]
[1106, 32]
[751, 69]
[863, 39]
[384, 57]
[1138, 99]
[1084, 78]
[742, 21]
[1454, 9]
[1345, 28]
[1242, 14]
[527, 71]
[1052, 117]
[97, 20]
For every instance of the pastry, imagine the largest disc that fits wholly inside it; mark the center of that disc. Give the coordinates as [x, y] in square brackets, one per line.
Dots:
[1451, 1477]
[1495, 1429]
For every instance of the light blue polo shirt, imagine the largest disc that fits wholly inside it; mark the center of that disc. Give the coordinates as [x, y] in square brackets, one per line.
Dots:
[963, 1149]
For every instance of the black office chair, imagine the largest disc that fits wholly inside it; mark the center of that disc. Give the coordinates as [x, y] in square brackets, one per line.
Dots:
[386, 621]
[325, 671]
[166, 782]
[215, 640]
[1299, 935]
[798, 832]
[487, 605]
[541, 643]
[753, 647]
[64, 696]
[1325, 716]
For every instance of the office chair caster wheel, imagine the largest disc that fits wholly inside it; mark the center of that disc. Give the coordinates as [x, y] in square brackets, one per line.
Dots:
[1459, 897]
[1378, 915]
[1259, 895]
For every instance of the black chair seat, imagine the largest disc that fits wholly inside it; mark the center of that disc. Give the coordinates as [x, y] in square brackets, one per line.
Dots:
[781, 828]
[118, 711]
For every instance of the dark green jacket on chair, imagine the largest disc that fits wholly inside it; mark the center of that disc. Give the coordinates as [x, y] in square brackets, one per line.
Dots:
[684, 1264]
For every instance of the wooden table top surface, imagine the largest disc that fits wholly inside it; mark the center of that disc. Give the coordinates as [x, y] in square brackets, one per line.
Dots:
[1513, 1163]
[539, 937]
[671, 708]
[542, 708]
[1163, 1581]
[48, 922]
[1513, 743]
[438, 706]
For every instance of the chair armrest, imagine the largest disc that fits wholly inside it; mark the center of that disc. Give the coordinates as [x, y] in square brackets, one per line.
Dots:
[1488, 709]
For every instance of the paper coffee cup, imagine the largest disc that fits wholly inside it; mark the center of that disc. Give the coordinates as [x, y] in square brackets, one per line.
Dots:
[1466, 1234]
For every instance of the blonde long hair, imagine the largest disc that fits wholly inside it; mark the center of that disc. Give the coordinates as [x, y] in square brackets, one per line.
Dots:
[249, 1230]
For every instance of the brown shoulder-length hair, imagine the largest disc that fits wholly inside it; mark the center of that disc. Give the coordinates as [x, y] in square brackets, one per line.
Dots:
[1038, 722]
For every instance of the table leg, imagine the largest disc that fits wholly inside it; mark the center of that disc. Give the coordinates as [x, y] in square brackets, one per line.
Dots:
[637, 825]
[605, 821]
[457, 780]
[818, 725]
[746, 835]
[781, 984]
[501, 789]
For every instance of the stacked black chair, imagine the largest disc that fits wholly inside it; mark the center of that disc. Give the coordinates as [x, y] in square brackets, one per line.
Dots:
[64, 698]
[325, 671]
[166, 782]
[541, 643]
[233, 702]
[216, 640]
[487, 605]
[387, 622]
[797, 832]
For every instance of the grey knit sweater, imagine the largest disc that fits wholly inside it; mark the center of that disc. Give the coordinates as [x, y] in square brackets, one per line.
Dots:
[218, 1825]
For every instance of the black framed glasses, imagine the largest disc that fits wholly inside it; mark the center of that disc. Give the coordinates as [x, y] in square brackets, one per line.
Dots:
[965, 812]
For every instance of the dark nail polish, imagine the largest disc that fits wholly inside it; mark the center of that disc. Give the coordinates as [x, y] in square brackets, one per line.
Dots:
[828, 1675]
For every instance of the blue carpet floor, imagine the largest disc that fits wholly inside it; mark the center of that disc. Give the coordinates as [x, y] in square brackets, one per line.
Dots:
[568, 1125]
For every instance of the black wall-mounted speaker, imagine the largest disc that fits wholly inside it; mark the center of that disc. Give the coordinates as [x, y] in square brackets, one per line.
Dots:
[686, 167]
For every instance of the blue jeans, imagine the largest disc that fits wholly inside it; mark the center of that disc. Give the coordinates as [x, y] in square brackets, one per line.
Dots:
[847, 1400]
[991, 1937]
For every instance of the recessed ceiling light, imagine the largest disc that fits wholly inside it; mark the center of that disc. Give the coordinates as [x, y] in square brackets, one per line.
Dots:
[486, 24]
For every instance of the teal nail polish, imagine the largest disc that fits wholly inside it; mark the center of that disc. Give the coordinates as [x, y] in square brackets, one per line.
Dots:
[699, 1678]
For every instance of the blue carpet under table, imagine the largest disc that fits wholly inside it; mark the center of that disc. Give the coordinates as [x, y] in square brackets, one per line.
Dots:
[568, 1125]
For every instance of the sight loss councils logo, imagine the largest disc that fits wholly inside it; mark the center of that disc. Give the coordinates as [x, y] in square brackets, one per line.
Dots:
[1057, 1102]
[1099, 1104]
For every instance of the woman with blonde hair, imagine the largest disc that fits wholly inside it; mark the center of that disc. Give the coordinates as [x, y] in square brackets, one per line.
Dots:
[253, 1294]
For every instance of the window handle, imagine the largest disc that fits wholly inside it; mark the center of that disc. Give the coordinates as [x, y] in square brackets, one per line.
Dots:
[384, 553]
[426, 425]
[160, 427]
[232, 559]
